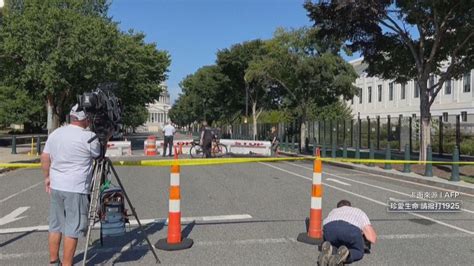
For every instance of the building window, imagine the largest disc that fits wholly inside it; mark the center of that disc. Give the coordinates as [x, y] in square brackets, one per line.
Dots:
[445, 117]
[467, 82]
[360, 96]
[403, 91]
[370, 94]
[417, 89]
[390, 91]
[431, 82]
[447, 87]
[380, 93]
[463, 116]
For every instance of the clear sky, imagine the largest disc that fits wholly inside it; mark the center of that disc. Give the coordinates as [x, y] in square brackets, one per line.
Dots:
[192, 31]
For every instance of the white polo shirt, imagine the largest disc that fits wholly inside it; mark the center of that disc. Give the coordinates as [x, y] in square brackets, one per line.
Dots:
[169, 130]
[348, 214]
[71, 158]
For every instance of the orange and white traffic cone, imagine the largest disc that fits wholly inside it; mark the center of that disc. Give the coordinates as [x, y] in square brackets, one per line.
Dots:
[314, 236]
[174, 240]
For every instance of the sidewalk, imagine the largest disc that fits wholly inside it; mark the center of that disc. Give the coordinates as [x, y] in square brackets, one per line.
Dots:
[21, 156]
[460, 186]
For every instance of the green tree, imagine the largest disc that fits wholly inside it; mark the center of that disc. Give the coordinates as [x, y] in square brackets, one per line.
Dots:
[134, 116]
[260, 93]
[21, 110]
[204, 95]
[311, 78]
[139, 69]
[182, 113]
[338, 110]
[403, 40]
[55, 50]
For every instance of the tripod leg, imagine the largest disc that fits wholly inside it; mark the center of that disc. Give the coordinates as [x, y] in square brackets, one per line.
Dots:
[152, 248]
[94, 202]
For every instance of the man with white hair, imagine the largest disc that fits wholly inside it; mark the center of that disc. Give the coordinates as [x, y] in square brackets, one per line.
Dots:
[67, 163]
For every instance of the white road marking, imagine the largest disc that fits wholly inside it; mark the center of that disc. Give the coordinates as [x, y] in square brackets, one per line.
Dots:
[13, 216]
[411, 182]
[370, 185]
[184, 220]
[376, 201]
[21, 191]
[338, 181]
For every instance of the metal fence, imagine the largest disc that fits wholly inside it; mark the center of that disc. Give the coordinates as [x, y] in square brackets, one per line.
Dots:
[447, 132]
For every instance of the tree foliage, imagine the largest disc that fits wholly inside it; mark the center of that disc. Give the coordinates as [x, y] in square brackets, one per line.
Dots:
[311, 77]
[22, 109]
[203, 98]
[55, 50]
[403, 40]
[134, 116]
[247, 85]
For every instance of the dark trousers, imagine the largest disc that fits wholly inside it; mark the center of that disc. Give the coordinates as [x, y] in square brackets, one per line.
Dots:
[168, 143]
[206, 147]
[341, 233]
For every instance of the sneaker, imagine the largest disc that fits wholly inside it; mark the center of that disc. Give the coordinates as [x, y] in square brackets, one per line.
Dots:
[325, 254]
[340, 257]
[56, 262]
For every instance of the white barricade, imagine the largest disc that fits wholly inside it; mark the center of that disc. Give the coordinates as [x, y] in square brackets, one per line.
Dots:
[247, 147]
[118, 148]
[182, 145]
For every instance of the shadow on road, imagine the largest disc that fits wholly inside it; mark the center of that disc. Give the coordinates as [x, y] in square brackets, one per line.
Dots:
[15, 238]
[133, 240]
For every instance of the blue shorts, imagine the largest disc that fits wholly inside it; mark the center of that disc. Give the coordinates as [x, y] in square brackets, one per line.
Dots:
[68, 213]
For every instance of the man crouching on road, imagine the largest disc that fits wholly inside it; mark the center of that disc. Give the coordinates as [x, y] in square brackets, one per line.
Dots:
[67, 163]
[345, 229]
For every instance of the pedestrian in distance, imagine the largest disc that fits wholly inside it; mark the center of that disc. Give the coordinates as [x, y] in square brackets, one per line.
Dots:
[67, 164]
[274, 140]
[168, 132]
[207, 136]
[344, 231]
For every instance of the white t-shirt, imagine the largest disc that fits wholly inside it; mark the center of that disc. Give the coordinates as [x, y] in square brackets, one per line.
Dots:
[348, 214]
[71, 158]
[169, 130]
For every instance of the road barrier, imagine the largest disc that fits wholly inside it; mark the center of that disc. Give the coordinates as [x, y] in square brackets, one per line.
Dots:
[118, 148]
[150, 146]
[246, 147]
[174, 241]
[314, 236]
[182, 146]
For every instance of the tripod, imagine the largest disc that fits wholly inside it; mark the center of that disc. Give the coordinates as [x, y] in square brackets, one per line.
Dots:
[102, 168]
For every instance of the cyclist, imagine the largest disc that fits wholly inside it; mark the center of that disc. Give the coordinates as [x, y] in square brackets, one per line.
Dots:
[207, 136]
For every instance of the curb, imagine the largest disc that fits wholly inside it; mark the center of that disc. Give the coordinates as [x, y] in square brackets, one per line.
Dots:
[4, 170]
[436, 181]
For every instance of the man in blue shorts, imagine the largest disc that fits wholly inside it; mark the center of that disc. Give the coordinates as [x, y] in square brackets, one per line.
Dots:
[67, 163]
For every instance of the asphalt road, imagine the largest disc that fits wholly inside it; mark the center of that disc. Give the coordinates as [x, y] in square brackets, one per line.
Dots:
[245, 214]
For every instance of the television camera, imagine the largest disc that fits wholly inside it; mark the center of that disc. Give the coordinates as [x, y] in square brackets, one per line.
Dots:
[104, 110]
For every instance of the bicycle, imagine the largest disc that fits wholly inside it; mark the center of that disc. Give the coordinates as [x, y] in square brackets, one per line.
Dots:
[217, 149]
